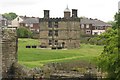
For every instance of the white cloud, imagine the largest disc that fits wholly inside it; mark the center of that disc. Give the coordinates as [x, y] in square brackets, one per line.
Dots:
[101, 9]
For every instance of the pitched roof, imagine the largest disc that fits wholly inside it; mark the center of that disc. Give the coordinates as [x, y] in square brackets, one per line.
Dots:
[30, 20]
[94, 22]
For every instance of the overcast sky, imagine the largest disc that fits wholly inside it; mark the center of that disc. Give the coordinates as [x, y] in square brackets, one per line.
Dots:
[101, 9]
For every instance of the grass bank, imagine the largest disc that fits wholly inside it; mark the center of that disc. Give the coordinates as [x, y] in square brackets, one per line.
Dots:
[37, 57]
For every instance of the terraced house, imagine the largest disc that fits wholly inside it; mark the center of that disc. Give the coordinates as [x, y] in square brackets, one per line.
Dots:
[65, 32]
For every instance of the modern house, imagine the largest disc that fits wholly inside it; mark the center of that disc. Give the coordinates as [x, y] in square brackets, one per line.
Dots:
[17, 20]
[60, 32]
[32, 23]
[93, 26]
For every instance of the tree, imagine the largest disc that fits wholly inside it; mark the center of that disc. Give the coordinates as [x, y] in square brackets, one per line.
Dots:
[109, 60]
[10, 16]
[23, 32]
[113, 23]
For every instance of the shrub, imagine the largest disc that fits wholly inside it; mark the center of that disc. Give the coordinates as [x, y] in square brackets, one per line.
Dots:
[23, 32]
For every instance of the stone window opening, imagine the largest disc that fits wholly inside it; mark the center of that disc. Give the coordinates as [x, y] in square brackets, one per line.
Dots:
[50, 33]
[50, 24]
[56, 42]
[56, 32]
[63, 44]
[56, 24]
[50, 42]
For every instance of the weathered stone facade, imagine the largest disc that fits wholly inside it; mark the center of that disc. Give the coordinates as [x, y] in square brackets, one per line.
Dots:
[60, 32]
[8, 51]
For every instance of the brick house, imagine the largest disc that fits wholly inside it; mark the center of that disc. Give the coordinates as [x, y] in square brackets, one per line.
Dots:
[93, 26]
[32, 23]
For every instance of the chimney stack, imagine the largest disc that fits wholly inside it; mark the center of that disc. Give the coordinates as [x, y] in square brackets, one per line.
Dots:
[74, 13]
[46, 13]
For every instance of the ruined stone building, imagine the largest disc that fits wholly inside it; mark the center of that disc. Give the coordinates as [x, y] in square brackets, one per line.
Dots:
[60, 32]
[8, 52]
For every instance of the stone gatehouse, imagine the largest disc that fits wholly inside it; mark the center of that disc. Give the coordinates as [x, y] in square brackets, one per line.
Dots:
[60, 32]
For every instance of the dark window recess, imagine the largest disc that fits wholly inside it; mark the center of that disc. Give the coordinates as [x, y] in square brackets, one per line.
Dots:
[50, 42]
[50, 33]
[17, 19]
[56, 42]
[56, 32]
[50, 24]
[56, 25]
[95, 33]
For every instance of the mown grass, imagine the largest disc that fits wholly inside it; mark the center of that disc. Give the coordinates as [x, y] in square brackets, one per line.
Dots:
[37, 57]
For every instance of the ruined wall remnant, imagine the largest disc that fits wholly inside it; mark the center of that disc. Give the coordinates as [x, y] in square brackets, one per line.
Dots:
[9, 51]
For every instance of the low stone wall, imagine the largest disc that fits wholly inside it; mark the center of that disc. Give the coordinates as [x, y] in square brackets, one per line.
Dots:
[22, 72]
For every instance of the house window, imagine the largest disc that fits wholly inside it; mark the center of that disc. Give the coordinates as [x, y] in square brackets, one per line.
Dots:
[101, 27]
[50, 42]
[50, 24]
[96, 27]
[95, 33]
[26, 24]
[88, 32]
[56, 42]
[56, 25]
[82, 25]
[50, 33]
[56, 32]
[87, 26]
[31, 25]
[37, 30]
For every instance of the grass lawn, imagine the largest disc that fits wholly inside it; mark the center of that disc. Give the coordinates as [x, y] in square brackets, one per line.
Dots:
[37, 57]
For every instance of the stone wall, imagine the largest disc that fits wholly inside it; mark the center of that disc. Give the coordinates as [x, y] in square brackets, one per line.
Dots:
[68, 32]
[9, 51]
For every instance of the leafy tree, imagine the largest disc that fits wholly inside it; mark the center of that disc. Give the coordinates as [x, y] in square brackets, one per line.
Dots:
[113, 23]
[10, 16]
[109, 60]
[23, 32]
